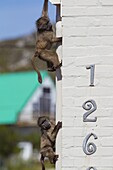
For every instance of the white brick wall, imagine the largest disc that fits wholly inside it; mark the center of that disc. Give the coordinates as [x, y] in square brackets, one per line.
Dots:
[87, 39]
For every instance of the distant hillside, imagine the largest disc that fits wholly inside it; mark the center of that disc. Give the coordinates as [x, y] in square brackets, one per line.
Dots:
[15, 55]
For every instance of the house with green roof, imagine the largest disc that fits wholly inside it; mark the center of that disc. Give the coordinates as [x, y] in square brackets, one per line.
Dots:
[23, 99]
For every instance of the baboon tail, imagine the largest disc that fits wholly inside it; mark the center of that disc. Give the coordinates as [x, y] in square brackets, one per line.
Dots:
[43, 166]
[36, 69]
[42, 162]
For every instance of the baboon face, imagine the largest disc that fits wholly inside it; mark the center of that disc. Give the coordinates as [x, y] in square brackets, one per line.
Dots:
[44, 123]
[43, 24]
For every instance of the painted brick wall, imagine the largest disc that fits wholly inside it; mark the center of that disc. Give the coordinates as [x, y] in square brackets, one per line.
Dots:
[87, 39]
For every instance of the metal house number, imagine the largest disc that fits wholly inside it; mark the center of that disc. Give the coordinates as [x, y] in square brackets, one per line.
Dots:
[90, 106]
[92, 68]
[89, 148]
[91, 168]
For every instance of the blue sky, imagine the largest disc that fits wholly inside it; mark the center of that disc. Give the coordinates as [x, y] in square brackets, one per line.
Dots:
[17, 17]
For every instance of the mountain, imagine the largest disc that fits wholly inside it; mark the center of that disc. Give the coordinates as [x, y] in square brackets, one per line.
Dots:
[16, 54]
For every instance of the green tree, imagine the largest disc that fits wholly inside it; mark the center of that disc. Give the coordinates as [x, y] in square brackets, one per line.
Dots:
[8, 141]
[34, 138]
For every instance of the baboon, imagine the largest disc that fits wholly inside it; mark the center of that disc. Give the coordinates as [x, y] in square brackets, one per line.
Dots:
[49, 133]
[45, 39]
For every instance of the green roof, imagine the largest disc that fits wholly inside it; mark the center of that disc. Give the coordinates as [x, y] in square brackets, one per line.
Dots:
[15, 90]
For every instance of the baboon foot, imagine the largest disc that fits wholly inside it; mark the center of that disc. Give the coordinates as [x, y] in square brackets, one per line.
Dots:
[58, 66]
[55, 158]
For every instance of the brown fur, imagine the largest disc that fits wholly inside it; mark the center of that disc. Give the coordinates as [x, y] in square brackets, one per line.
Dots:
[45, 39]
[49, 133]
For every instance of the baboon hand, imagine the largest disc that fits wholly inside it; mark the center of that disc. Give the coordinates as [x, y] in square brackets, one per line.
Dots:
[59, 124]
[60, 39]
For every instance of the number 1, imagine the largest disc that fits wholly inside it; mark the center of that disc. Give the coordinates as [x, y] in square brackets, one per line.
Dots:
[92, 68]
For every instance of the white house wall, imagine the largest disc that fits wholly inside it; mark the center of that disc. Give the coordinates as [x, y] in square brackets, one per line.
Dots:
[87, 39]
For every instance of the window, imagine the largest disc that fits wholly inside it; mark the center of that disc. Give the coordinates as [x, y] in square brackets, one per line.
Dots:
[45, 101]
[35, 109]
[46, 91]
[45, 105]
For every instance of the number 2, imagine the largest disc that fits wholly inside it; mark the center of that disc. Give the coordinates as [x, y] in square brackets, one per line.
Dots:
[90, 106]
